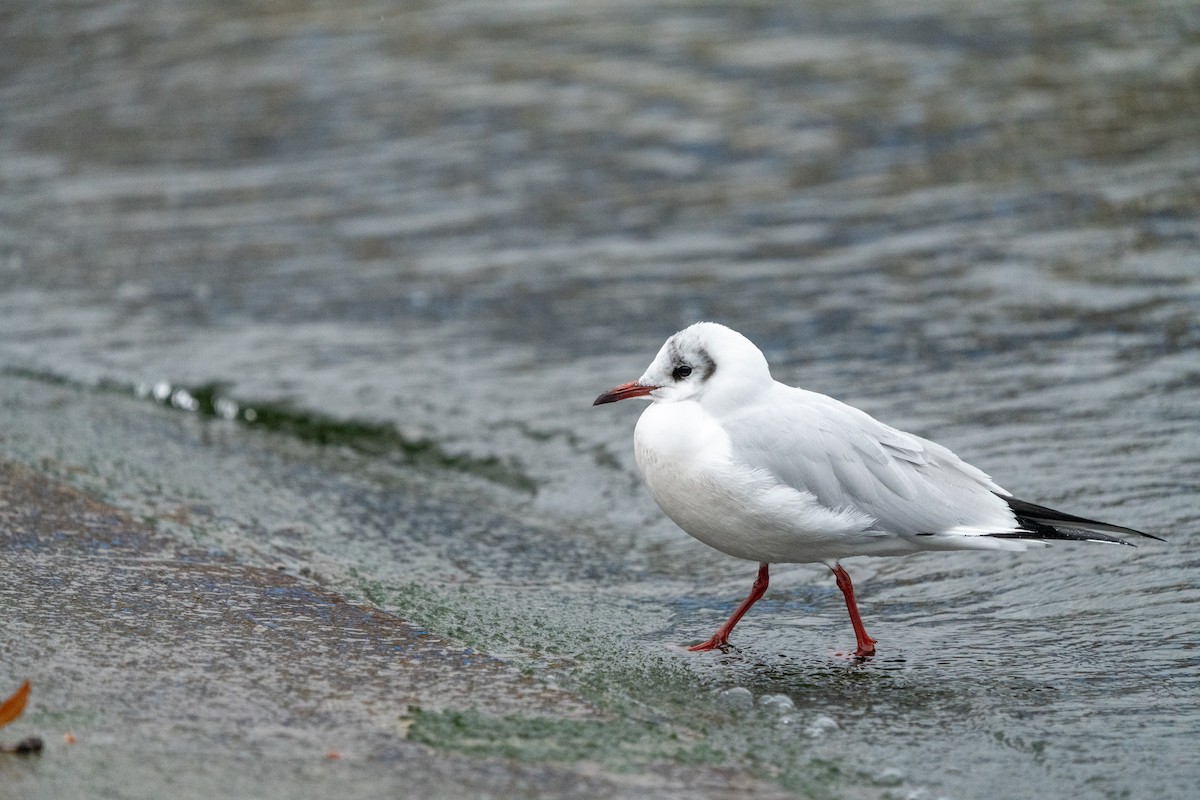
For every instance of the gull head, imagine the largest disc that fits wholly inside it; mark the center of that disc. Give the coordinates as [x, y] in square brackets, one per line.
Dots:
[705, 362]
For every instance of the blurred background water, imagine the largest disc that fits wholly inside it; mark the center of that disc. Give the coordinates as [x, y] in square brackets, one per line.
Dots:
[380, 258]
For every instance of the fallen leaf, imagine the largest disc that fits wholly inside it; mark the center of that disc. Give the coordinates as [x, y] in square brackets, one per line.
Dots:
[11, 708]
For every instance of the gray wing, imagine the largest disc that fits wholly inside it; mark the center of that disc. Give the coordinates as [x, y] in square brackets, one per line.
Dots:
[848, 459]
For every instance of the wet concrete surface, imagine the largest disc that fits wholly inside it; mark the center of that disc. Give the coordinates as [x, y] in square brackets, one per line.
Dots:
[176, 671]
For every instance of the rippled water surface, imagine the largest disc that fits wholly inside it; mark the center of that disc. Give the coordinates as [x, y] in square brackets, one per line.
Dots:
[406, 245]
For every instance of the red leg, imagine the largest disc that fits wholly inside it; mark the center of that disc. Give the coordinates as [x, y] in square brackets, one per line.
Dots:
[866, 645]
[721, 637]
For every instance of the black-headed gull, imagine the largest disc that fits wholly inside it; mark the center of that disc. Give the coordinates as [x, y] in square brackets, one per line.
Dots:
[775, 474]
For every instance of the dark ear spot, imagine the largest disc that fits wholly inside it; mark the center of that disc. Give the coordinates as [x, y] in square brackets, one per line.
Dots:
[705, 364]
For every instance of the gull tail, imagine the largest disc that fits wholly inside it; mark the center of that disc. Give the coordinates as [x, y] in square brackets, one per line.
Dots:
[1040, 523]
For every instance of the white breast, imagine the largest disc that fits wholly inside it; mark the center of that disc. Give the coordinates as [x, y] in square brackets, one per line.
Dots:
[685, 458]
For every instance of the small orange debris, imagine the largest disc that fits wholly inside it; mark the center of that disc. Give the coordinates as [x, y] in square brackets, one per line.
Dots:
[333, 755]
[69, 738]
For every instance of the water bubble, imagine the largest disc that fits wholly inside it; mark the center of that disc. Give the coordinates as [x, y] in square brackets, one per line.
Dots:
[738, 698]
[891, 776]
[778, 703]
[821, 725]
[183, 399]
[161, 390]
[226, 408]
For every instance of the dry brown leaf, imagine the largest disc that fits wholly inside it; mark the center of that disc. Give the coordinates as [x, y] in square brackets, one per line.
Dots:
[11, 708]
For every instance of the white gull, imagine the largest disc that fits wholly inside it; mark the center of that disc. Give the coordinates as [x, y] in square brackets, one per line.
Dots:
[776, 474]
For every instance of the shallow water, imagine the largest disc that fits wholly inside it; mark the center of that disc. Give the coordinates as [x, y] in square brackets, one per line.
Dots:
[422, 240]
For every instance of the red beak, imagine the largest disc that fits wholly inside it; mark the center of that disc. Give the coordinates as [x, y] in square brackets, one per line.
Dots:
[624, 392]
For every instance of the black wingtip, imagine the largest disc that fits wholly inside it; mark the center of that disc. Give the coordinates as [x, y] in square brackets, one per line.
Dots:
[1040, 522]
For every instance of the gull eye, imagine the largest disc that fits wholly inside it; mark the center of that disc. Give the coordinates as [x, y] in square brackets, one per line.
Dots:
[681, 372]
